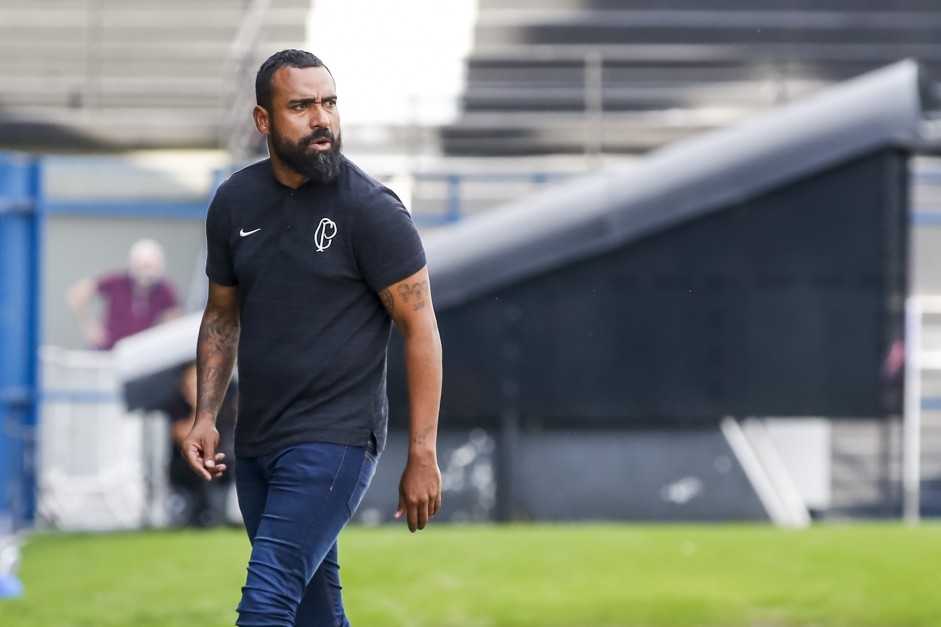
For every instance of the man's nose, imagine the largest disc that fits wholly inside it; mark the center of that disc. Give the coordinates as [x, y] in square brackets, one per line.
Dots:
[319, 116]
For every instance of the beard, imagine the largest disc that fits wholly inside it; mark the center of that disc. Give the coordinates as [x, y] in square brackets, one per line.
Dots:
[322, 166]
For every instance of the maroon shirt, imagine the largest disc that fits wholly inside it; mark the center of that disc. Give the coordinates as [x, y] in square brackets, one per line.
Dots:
[127, 312]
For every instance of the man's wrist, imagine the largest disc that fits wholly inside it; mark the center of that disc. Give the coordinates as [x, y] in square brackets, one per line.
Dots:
[205, 416]
[422, 451]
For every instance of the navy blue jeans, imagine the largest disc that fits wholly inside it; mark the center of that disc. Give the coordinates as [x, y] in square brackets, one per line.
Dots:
[294, 503]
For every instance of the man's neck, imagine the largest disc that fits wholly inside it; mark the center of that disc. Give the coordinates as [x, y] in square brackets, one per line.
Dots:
[286, 175]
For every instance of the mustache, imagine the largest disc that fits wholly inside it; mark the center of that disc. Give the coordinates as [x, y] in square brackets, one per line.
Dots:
[320, 133]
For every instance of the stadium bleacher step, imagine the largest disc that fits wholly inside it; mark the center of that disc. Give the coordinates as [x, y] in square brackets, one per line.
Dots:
[112, 74]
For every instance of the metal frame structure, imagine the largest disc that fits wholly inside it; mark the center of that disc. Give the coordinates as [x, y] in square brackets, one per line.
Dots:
[20, 245]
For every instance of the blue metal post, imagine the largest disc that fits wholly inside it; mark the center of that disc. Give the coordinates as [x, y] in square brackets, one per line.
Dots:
[19, 338]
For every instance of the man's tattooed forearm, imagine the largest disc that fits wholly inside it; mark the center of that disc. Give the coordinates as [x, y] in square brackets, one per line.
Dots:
[421, 438]
[216, 349]
[220, 335]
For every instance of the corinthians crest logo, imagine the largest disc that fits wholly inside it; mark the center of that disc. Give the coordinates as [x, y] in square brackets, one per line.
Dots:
[323, 236]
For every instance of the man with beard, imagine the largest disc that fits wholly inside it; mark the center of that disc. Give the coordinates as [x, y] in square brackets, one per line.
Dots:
[310, 262]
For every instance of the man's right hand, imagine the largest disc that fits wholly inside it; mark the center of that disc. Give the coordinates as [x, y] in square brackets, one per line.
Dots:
[94, 334]
[199, 450]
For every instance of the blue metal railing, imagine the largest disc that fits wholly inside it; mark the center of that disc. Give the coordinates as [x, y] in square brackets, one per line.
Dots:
[189, 210]
[456, 183]
[452, 207]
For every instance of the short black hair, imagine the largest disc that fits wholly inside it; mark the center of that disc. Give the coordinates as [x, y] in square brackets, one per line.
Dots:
[285, 58]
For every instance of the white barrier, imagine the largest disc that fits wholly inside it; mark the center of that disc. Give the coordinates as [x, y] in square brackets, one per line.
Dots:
[922, 359]
[99, 467]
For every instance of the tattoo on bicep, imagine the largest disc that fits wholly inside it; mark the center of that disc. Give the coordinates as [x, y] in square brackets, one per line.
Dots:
[414, 292]
[387, 300]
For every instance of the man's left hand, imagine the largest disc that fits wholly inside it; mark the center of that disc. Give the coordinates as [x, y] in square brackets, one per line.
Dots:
[419, 491]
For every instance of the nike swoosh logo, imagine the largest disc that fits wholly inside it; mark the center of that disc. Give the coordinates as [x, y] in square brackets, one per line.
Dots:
[245, 233]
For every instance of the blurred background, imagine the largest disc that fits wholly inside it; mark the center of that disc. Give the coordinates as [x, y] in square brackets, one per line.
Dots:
[687, 260]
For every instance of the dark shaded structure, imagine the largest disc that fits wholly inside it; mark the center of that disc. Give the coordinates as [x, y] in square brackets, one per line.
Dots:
[759, 270]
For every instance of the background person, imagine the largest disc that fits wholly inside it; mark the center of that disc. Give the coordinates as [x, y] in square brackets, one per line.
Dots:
[134, 300]
[198, 503]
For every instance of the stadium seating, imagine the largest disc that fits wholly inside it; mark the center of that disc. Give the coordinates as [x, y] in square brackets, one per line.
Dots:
[113, 73]
[624, 76]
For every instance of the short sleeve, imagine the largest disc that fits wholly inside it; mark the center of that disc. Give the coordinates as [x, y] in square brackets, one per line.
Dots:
[218, 250]
[388, 247]
[108, 283]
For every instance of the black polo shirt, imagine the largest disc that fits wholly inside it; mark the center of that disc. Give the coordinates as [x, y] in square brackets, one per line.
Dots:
[308, 264]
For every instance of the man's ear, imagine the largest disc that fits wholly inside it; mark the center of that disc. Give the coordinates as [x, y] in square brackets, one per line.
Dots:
[260, 115]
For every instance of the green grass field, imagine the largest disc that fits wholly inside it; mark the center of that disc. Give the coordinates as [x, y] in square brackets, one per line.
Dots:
[515, 575]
